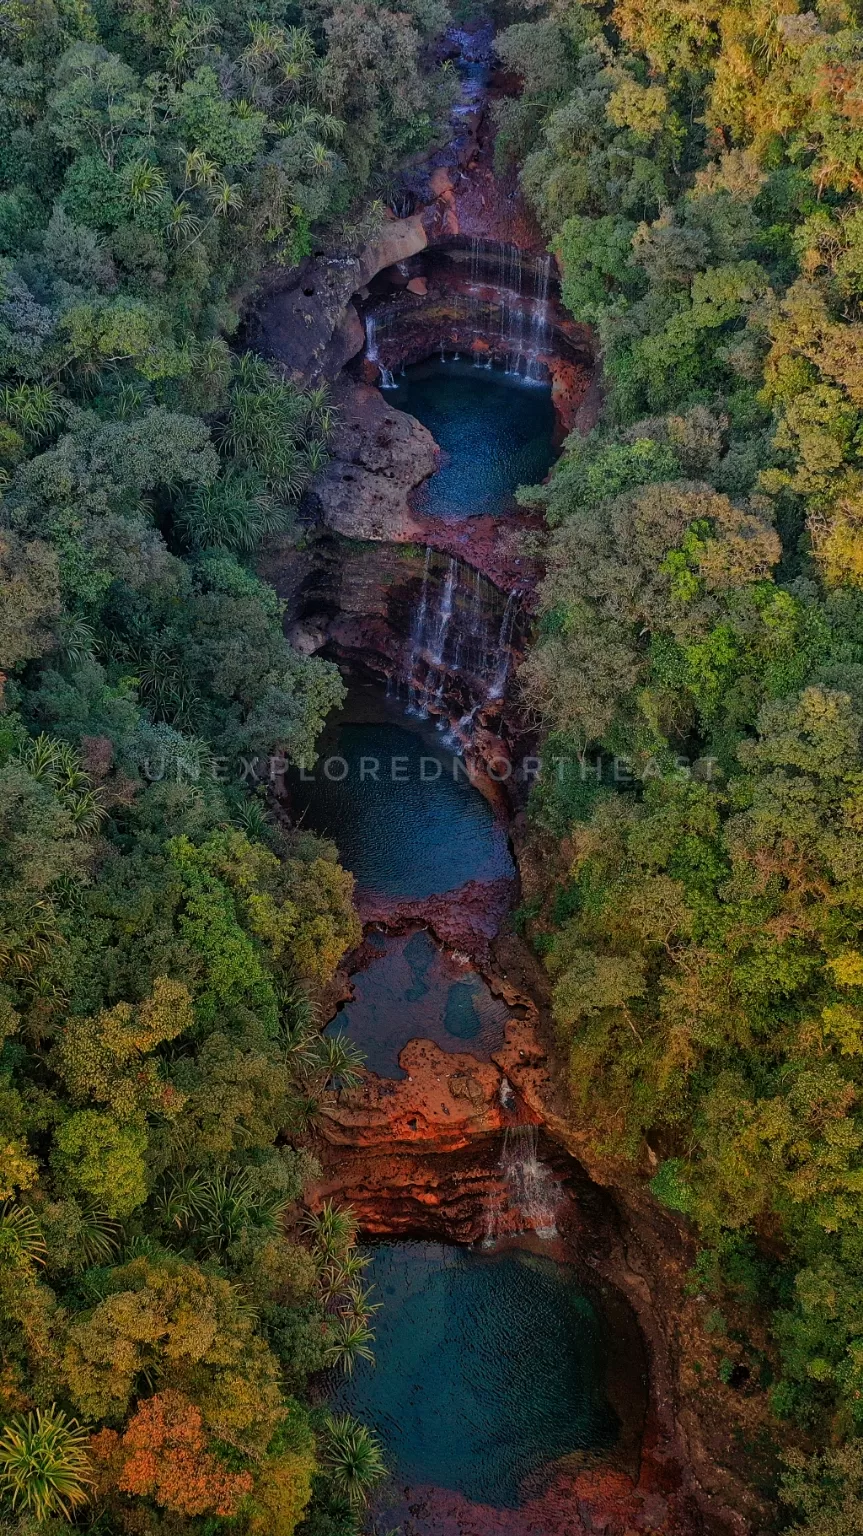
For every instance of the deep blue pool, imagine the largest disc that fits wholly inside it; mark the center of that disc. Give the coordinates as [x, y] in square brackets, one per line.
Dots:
[495, 431]
[490, 1366]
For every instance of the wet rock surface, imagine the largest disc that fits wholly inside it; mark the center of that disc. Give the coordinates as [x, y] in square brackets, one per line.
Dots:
[304, 319]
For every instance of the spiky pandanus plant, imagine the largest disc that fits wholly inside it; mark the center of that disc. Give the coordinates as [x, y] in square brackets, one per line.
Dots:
[234, 513]
[349, 1339]
[340, 1267]
[211, 1210]
[21, 1235]
[354, 1458]
[44, 1466]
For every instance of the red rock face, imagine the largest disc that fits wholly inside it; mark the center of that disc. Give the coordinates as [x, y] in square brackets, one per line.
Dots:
[584, 1503]
[465, 920]
[454, 313]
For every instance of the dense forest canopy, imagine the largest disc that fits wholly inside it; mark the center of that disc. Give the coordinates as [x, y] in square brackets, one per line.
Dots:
[698, 171]
[162, 940]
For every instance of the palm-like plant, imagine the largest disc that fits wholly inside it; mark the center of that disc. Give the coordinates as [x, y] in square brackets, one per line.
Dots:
[234, 1201]
[276, 429]
[188, 37]
[334, 1060]
[234, 513]
[87, 811]
[179, 1202]
[299, 1027]
[20, 1235]
[34, 408]
[98, 1239]
[198, 169]
[268, 46]
[333, 1231]
[226, 197]
[76, 639]
[303, 1113]
[129, 400]
[251, 816]
[57, 764]
[349, 1339]
[144, 185]
[353, 1457]
[315, 455]
[27, 940]
[183, 223]
[211, 1210]
[44, 1467]
[340, 1276]
[356, 1301]
[162, 684]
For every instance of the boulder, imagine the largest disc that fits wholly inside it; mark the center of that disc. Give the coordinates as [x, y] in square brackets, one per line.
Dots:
[378, 456]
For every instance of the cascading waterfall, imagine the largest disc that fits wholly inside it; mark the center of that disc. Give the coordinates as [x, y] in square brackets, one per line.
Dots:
[474, 261]
[418, 635]
[504, 641]
[539, 327]
[373, 354]
[511, 311]
[444, 613]
[523, 328]
[532, 1191]
[440, 634]
[457, 630]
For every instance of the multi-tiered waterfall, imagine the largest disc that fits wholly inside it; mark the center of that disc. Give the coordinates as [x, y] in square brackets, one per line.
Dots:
[485, 298]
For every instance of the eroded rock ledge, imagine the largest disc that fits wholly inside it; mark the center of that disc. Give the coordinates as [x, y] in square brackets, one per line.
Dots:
[421, 1156]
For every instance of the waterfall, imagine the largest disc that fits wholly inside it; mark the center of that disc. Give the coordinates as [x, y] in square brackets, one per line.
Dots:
[386, 380]
[511, 311]
[521, 296]
[417, 638]
[457, 631]
[444, 613]
[429, 637]
[439, 636]
[504, 644]
[533, 1192]
[539, 328]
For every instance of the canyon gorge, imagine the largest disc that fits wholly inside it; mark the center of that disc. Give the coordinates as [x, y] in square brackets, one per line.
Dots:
[505, 1253]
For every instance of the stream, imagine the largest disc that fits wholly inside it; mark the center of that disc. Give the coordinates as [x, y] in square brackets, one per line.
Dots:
[497, 1368]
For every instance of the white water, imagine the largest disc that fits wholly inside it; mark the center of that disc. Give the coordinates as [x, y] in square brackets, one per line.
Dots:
[386, 380]
[532, 1190]
[523, 325]
[504, 642]
[455, 633]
